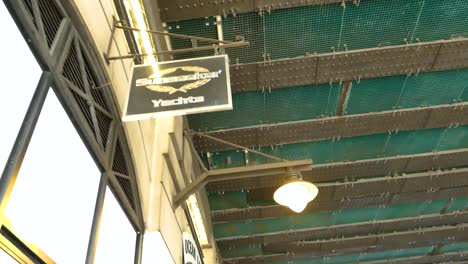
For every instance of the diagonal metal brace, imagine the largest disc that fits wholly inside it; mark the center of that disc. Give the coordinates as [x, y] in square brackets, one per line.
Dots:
[239, 173]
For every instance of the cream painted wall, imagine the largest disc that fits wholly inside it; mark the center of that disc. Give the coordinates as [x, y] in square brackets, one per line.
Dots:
[148, 140]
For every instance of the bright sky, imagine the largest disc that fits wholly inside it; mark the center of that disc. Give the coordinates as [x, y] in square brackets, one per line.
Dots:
[53, 200]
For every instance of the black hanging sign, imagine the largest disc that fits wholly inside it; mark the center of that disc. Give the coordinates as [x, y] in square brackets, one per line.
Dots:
[179, 87]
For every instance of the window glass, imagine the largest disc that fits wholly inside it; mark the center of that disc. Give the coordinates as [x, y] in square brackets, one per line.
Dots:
[52, 203]
[6, 259]
[20, 75]
[116, 243]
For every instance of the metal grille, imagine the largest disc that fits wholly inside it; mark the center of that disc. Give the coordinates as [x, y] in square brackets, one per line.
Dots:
[119, 165]
[104, 123]
[51, 18]
[71, 69]
[84, 107]
[126, 185]
[96, 92]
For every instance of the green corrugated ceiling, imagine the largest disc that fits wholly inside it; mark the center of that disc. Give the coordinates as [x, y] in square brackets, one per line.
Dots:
[328, 28]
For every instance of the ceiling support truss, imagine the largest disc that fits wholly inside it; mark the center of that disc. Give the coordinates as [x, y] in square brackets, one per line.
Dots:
[182, 10]
[429, 259]
[287, 251]
[355, 65]
[347, 230]
[418, 187]
[348, 171]
[452, 115]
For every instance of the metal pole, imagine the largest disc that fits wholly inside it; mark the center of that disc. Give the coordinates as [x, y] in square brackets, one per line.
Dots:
[139, 248]
[23, 138]
[93, 237]
[131, 56]
[236, 146]
[182, 36]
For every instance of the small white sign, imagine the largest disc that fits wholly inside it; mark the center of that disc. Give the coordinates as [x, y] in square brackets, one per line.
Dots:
[191, 254]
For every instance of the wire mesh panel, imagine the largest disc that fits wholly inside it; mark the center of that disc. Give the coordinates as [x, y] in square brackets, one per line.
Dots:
[204, 27]
[455, 247]
[442, 20]
[250, 27]
[407, 91]
[294, 32]
[281, 105]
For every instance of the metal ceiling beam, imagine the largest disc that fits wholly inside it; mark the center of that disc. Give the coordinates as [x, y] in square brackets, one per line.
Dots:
[270, 211]
[429, 259]
[337, 127]
[347, 230]
[182, 10]
[369, 244]
[278, 168]
[407, 183]
[353, 65]
[339, 171]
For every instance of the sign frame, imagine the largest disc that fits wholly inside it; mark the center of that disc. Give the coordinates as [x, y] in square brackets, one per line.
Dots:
[190, 255]
[179, 112]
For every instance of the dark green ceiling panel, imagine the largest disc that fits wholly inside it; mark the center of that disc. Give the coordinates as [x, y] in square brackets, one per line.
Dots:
[453, 138]
[424, 89]
[310, 102]
[254, 108]
[341, 259]
[357, 216]
[356, 148]
[464, 96]
[301, 221]
[241, 228]
[443, 20]
[294, 32]
[397, 211]
[244, 251]
[433, 88]
[321, 29]
[250, 27]
[227, 200]
[458, 204]
[364, 257]
[203, 27]
[403, 253]
[320, 150]
[462, 246]
[298, 31]
[322, 219]
[374, 95]
[260, 203]
[413, 142]
[378, 23]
